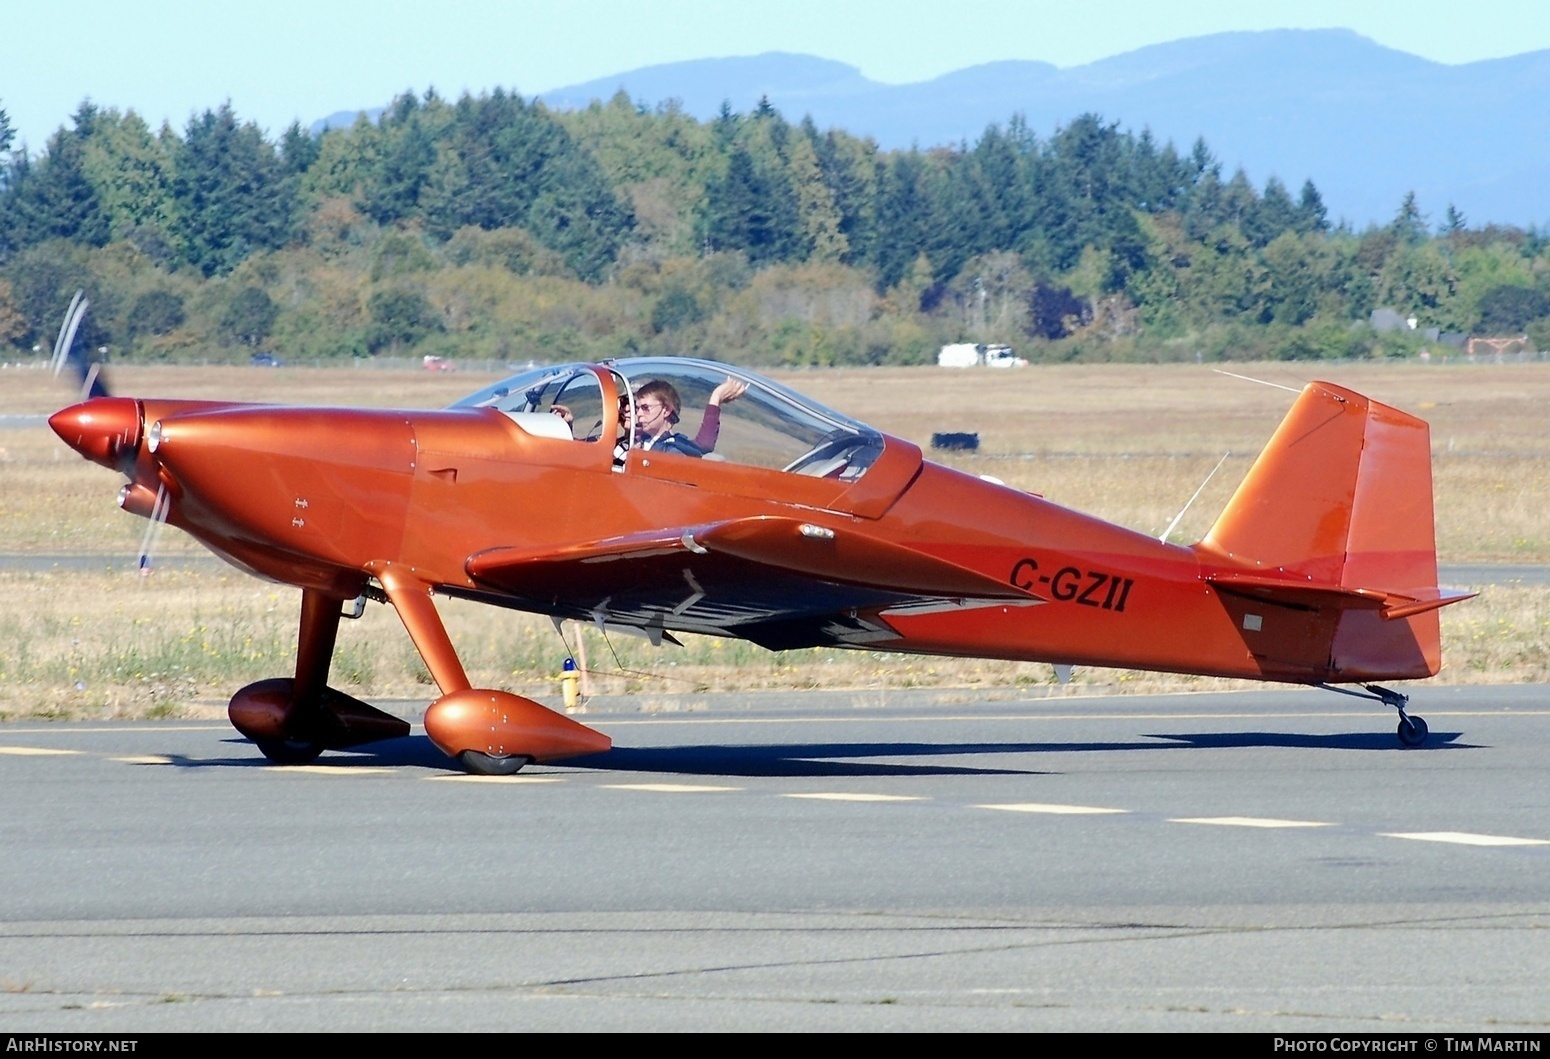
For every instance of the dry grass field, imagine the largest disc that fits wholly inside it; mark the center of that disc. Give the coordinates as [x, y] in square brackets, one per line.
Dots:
[1129, 443]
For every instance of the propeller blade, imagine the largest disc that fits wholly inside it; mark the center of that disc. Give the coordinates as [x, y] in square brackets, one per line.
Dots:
[159, 512]
[93, 384]
[67, 328]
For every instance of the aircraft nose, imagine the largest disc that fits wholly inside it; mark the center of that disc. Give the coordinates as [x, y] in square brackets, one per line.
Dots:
[100, 429]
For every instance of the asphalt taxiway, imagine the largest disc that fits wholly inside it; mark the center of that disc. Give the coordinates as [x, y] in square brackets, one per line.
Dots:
[1267, 860]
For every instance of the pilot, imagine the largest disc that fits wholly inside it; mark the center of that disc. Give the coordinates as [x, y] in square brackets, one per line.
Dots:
[656, 413]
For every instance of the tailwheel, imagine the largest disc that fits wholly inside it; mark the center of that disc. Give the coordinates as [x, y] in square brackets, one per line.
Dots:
[1412, 730]
[290, 751]
[478, 763]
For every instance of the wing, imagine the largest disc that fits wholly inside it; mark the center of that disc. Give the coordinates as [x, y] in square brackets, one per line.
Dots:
[779, 582]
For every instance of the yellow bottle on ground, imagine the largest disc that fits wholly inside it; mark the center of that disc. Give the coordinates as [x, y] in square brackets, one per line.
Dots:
[570, 685]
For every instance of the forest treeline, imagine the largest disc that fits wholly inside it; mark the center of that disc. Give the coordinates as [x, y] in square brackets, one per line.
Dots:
[491, 227]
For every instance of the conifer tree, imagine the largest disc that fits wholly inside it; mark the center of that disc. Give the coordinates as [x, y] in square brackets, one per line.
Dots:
[850, 171]
[817, 217]
[901, 212]
[726, 124]
[131, 172]
[954, 227]
[442, 194]
[231, 190]
[403, 165]
[54, 197]
[998, 186]
[1311, 214]
[299, 148]
[738, 209]
[1273, 214]
[1239, 201]
[345, 163]
[1409, 223]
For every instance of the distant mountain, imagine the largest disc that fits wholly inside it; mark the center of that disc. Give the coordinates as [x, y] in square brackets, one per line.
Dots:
[1365, 122]
[701, 85]
[343, 119]
[795, 83]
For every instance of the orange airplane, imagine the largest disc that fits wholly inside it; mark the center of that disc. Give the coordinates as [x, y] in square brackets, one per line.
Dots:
[576, 491]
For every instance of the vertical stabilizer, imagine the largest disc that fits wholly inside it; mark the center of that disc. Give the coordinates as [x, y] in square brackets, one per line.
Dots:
[1342, 495]
[1334, 520]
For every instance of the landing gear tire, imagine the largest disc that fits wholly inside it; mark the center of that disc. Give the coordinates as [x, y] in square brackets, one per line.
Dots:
[1412, 731]
[481, 764]
[290, 751]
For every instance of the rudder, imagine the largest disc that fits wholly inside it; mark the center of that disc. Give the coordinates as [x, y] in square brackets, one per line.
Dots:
[1337, 513]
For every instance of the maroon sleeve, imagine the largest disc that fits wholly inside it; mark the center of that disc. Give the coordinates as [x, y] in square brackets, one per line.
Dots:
[710, 428]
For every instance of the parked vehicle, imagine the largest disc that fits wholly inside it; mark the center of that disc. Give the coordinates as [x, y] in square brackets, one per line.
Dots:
[974, 355]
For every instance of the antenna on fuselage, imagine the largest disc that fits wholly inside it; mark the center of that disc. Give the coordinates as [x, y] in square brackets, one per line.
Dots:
[1174, 524]
[1250, 378]
[1163, 537]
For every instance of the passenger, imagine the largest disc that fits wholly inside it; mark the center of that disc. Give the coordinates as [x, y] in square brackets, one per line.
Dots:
[710, 426]
[656, 413]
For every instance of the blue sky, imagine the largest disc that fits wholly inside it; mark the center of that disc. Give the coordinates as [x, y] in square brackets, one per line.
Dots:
[285, 59]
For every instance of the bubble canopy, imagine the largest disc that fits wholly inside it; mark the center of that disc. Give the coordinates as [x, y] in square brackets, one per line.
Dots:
[765, 425]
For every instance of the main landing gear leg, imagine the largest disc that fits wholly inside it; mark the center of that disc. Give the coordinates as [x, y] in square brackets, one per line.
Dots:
[490, 733]
[1412, 731]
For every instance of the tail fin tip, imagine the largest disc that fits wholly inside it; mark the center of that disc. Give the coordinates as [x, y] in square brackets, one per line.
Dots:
[1341, 495]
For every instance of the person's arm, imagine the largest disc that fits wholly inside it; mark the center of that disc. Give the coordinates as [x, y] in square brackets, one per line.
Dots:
[710, 429]
[710, 426]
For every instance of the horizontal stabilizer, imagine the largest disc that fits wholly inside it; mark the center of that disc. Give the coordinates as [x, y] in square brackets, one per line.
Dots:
[1390, 603]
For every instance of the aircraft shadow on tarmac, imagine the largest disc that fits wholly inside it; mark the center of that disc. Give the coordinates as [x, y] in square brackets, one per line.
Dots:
[798, 759]
[1297, 740]
[840, 759]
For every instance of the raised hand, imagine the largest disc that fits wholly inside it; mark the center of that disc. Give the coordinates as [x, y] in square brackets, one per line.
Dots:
[730, 390]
